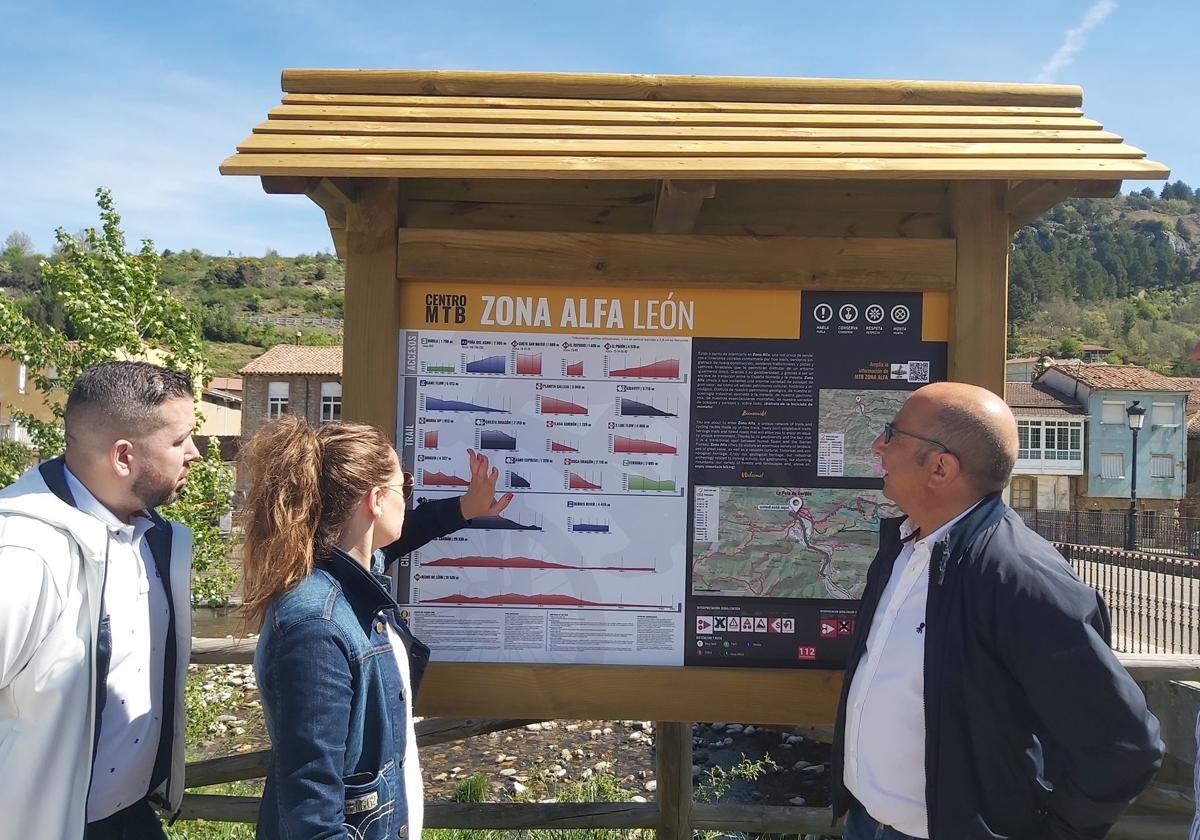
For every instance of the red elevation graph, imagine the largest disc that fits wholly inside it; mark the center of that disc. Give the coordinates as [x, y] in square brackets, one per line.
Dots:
[555, 446]
[578, 482]
[476, 561]
[431, 440]
[529, 364]
[512, 599]
[664, 369]
[575, 369]
[549, 405]
[437, 479]
[641, 446]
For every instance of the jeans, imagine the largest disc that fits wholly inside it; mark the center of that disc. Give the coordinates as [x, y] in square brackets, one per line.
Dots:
[862, 826]
[137, 822]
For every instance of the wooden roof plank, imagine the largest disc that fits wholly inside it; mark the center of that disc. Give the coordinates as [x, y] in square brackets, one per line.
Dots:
[675, 87]
[660, 105]
[561, 147]
[527, 116]
[399, 129]
[551, 166]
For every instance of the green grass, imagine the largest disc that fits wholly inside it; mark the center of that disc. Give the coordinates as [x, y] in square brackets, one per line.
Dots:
[205, 830]
[228, 359]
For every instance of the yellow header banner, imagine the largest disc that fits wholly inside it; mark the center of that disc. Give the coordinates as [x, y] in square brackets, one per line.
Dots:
[621, 310]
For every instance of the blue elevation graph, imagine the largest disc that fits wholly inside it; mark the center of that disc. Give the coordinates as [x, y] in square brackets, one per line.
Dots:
[585, 528]
[492, 439]
[633, 408]
[517, 481]
[491, 364]
[436, 404]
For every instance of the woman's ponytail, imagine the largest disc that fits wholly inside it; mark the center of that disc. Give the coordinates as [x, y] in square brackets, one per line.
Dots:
[283, 511]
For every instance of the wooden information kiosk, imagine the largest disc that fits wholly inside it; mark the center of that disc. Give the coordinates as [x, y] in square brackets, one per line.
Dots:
[551, 186]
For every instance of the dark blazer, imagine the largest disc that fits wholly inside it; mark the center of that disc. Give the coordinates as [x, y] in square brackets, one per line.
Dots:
[1033, 729]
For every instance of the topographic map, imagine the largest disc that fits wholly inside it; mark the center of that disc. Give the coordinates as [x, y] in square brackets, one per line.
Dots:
[850, 420]
[771, 542]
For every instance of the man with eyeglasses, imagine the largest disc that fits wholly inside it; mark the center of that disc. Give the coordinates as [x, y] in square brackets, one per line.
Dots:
[981, 698]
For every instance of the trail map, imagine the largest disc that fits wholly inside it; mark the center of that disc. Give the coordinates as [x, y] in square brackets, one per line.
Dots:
[850, 420]
[787, 542]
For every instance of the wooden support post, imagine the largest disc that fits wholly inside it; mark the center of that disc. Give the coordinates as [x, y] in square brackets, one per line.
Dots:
[334, 196]
[673, 759]
[677, 205]
[371, 353]
[979, 319]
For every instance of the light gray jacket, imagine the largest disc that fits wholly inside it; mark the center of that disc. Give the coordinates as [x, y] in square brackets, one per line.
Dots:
[52, 569]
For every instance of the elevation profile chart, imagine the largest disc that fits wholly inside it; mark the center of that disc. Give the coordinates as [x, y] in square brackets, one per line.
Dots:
[624, 367]
[589, 434]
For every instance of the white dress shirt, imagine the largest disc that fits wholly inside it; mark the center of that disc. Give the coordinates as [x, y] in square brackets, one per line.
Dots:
[135, 605]
[885, 709]
[414, 792]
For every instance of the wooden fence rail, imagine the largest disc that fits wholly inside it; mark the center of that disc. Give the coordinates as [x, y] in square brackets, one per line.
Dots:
[674, 815]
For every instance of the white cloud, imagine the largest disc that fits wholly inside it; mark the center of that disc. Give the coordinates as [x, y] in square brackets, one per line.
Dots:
[1075, 39]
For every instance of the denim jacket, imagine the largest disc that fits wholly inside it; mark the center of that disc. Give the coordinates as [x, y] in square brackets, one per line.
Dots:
[335, 709]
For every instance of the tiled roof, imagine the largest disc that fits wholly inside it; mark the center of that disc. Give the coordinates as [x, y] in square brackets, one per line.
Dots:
[1033, 399]
[1193, 403]
[1193, 425]
[1122, 378]
[230, 384]
[1095, 348]
[295, 360]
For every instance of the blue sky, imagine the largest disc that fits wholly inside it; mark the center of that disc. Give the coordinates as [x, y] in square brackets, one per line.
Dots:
[148, 98]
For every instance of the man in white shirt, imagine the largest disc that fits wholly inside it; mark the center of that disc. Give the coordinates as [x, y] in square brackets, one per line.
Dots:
[981, 698]
[94, 615]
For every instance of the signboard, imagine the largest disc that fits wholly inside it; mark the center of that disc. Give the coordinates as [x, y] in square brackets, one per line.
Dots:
[692, 469]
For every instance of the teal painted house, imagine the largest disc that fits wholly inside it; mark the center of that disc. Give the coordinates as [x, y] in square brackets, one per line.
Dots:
[1106, 392]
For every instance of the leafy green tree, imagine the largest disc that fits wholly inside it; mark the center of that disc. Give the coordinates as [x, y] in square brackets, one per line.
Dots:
[15, 458]
[116, 309]
[1069, 348]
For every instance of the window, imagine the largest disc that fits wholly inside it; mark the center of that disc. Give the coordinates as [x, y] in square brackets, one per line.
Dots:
[331, 402]
[277, 400]
[1022, 493]
[1064, 440]
[1053, 440]
[21, 372]
[1112, 465]
[1114, 414]
[1162, 466]
[1029, 433]
[1162, 414]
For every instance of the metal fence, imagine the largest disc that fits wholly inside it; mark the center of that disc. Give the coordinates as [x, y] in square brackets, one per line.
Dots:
[1177, 535]
[293, 321]
[1153, 599]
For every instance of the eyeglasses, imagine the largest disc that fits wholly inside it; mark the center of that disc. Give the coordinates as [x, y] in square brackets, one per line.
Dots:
[890, 431]
[405, 489]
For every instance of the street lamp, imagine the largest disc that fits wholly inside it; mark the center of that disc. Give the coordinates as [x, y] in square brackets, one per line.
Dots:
[1137, 416]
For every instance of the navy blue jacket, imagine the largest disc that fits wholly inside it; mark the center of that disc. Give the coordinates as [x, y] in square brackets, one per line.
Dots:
[1033, 729]
[333, 696]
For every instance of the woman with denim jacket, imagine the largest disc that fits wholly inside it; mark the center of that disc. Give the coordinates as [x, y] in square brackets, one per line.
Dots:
[337, 667]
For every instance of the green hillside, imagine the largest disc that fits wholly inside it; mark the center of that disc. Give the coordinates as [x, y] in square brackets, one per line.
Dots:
[1123, 272]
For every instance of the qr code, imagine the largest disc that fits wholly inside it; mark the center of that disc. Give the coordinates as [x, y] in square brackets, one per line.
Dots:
[918, 371]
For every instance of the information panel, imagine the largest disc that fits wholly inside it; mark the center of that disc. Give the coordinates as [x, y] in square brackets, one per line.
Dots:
[692, 468]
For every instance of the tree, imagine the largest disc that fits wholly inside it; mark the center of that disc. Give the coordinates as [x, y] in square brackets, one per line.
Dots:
[15, 458]
[17, 245]
[116, 309]
[1069, 348]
